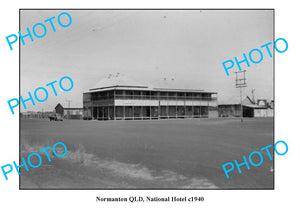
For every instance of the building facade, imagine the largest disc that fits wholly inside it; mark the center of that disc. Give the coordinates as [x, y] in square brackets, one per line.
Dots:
[250, 108]
[134, 102]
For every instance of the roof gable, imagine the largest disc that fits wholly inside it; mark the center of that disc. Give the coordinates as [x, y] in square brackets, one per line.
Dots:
[59, 105]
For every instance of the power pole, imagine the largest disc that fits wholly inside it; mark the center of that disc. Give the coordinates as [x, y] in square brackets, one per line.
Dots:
[240, 82]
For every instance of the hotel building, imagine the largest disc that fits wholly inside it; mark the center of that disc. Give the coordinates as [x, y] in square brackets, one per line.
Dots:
[118, 98]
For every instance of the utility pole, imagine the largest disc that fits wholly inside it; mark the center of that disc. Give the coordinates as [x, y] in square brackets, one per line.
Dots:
[240, 82]
[69, 101]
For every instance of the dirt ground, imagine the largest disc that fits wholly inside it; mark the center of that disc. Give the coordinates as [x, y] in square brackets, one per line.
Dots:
[147, 154]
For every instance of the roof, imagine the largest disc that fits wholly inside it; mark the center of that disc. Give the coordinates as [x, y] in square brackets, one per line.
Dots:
[255, 106]
[147, 89]
[115, 81]
[236, 100]
[121, 82]
[74, 108]
[66, 108]
[247, 102]
[58, 105]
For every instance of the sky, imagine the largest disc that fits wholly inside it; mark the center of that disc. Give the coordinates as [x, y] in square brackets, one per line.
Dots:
[147, 46]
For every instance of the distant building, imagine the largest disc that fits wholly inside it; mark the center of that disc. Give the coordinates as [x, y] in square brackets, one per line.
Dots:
[35, 114]
[68, 113]
[232, 108]
[266, 109]
[59, 109]
[119, 98]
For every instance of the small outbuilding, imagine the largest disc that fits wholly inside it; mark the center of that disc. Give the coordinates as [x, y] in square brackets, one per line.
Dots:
[69, 113]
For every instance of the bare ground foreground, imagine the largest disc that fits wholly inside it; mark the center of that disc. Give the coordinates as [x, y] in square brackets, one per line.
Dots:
[147, 154]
